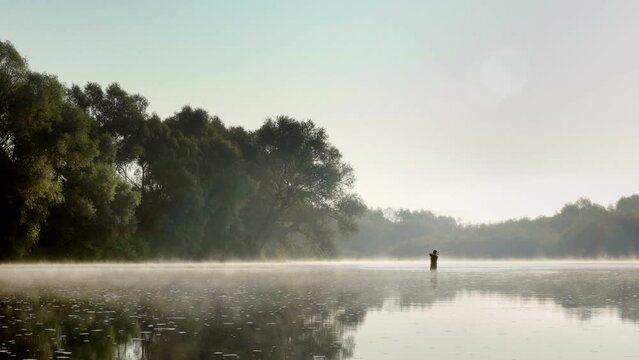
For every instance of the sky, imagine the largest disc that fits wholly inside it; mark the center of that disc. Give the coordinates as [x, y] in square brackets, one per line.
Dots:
[481, 110]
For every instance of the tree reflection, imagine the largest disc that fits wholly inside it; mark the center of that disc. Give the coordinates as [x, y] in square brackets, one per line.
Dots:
[274, 314]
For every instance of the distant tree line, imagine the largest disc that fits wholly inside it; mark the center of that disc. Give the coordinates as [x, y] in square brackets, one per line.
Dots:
[87, 173]
[580, 229]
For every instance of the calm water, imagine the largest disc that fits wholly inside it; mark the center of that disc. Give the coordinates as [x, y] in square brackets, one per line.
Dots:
[349, 310]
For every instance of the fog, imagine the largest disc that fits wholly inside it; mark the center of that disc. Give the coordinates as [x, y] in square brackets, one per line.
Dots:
[329, 309]
[581, 229]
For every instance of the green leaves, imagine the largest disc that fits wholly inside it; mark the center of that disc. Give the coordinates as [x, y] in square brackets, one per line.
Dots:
[304, 188]
[57, 167]
[37, 140]
[89, 174]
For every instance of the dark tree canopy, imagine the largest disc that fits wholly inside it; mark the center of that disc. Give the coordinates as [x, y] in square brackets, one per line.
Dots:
[303, 188]
[59, 188]
[88, 173]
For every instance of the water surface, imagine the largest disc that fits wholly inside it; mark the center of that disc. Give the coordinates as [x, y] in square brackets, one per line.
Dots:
[321, 310]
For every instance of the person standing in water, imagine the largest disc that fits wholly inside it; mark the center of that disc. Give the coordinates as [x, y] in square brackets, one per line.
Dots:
[433, 260]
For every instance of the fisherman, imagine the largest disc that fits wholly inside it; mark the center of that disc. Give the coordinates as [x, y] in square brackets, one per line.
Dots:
[433, 260]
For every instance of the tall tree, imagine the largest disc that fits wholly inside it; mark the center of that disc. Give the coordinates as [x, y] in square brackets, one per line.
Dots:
[123, 117]
[39, 135]
[87, 173]
[304, 188]
[59, 184]
[193, 186]
[96, 219]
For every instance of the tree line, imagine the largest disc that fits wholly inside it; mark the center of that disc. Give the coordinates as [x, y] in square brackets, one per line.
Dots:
[89, 174]
[581, 229]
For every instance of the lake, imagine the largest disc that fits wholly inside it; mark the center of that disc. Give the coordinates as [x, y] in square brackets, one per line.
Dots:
[321, 310]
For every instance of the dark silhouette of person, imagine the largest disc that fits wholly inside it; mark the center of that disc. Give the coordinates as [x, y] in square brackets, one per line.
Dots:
[433, 260]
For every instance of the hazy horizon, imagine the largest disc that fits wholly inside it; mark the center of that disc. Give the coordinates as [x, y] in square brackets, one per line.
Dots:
[484, 112]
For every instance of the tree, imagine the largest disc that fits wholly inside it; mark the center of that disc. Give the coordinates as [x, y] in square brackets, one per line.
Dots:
[88, 174]
[96, 219]
[39, 135]
[123, 117]
[193, 186]
[304, 188]
[59, 189]
[628, 206]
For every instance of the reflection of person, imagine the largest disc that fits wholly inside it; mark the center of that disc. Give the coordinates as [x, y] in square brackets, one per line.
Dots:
[433, 279]
[433, 260]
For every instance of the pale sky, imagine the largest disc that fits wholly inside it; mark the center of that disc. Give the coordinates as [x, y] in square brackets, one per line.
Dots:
[483, 110]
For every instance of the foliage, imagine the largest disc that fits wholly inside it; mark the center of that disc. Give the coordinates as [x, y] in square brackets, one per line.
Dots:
[580, 229]
[303, 187]
[58, 185]
[89, 174]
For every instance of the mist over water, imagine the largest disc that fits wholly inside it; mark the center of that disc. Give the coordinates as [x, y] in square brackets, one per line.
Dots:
[321, 310]
[403, 132]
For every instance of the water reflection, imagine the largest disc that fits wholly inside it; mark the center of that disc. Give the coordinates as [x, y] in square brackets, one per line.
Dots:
[278, 312]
